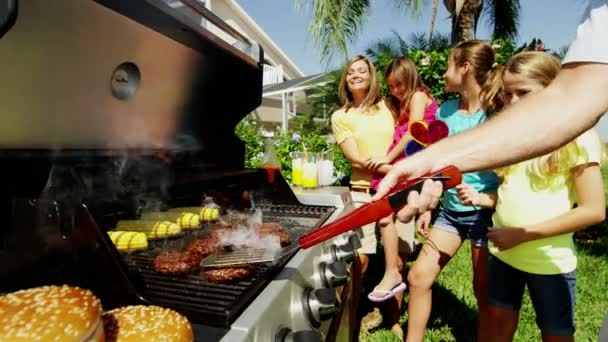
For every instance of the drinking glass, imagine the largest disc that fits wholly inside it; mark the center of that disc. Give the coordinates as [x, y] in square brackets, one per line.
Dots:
[310, 170]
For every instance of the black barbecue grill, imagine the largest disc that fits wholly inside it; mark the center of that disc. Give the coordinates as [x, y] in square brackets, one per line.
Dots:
[115, 107]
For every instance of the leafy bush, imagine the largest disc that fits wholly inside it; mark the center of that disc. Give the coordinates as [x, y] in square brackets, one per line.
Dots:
[285, 143]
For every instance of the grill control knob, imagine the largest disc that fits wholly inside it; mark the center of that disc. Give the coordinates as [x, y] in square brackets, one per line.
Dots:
[334, 274]
[354, 240]
[344, 252]
[287, 335]
[320, 305]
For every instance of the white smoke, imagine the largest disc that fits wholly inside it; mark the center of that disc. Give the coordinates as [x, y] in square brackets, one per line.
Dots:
[245, 234]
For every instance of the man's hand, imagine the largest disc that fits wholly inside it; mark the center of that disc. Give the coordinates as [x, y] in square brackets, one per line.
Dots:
[409, 169]
[506, 238]
[423, 223]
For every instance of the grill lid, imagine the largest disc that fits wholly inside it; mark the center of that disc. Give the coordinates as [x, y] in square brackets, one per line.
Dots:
[138, 75]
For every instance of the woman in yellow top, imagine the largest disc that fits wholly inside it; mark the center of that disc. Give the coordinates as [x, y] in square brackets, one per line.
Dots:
[531, 241]
[364, 128]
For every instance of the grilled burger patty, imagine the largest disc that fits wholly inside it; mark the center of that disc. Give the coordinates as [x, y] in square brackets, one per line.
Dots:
[269, 227]
[177, 263]
[228, 274]
[282, 235]
[203, 247]
[263, 229]
[218, 232]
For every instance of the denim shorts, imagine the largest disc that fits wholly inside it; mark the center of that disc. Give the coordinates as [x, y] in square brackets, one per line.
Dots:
[470, 225]
[552, 295]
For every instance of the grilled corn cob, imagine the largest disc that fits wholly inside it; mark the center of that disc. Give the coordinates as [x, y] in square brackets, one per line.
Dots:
[184, 220]
[205, 213]
[153, 229]
[129, 241]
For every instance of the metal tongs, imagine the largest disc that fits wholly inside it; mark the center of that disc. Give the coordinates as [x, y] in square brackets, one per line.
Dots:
[368, 213]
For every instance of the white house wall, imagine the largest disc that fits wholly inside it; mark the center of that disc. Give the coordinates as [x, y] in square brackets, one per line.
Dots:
[229, 15]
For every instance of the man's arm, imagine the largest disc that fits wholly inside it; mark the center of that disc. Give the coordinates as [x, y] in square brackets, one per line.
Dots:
[540, 123]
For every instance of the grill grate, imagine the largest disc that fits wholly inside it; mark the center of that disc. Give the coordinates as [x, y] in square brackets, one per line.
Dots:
[202, 301]
[216, 304]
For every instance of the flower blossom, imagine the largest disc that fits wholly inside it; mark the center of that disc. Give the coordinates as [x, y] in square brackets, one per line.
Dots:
[296, 137]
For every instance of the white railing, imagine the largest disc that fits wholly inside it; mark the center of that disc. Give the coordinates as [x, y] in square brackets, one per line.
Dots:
[272, 74]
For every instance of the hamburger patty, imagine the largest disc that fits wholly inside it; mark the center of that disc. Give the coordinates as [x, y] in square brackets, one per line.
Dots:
[177, 263]
[269, 227]
[217, 233]
[262, 229]
[203, 247]
[228, 274]
[281, 235]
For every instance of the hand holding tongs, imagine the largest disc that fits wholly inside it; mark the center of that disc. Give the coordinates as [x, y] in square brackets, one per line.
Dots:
[374, 211]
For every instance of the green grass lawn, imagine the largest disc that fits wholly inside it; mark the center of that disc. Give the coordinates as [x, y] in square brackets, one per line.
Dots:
[454, 311]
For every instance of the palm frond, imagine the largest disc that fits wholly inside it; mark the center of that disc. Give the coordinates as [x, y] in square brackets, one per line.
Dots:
[503, 16]
[415, 6]
[418, 41]
[382, 52]
[401, 43]
[439, 41]
[335, 23]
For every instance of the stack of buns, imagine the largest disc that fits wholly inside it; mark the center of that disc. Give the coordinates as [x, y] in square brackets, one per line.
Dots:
[65, 313]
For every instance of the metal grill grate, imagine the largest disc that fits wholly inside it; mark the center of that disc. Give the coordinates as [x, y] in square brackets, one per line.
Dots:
[220, 304]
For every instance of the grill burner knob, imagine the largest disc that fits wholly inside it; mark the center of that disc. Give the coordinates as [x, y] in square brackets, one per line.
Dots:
[320, 305]
[334, 274]
[344, 252]
[286, 335]
[354, 240]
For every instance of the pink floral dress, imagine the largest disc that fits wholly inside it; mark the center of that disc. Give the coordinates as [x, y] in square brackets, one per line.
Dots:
[401, 129]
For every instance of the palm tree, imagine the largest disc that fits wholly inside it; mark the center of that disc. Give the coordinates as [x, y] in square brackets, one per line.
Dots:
[337, 22]
[503, 16]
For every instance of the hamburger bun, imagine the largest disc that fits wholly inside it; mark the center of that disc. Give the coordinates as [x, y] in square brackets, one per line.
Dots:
[146, 323]
[57, 313]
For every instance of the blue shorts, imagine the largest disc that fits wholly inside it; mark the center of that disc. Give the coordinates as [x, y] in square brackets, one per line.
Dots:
[552, 295]
[470, 225]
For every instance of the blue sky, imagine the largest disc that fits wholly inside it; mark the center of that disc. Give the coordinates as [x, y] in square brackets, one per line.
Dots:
[554, 21]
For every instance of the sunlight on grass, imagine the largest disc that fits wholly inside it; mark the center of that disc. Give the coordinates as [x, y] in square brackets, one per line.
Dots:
[454, 311]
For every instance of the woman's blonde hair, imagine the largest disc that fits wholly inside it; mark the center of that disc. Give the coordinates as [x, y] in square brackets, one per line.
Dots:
[542, 68]
[404, 69]
[373, 94]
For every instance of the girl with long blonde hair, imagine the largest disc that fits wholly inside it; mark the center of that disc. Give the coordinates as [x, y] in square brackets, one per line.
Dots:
[531, 241]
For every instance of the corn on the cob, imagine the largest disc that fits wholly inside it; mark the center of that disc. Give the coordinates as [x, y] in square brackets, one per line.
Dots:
[153, 229]
[129, 241]
[184, 220]
[205, 213]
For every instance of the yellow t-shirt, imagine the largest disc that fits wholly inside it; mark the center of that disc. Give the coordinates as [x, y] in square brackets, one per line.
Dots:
[373, 132]
[524, 200]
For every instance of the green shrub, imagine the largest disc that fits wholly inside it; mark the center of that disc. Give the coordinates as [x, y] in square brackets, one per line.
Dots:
[285, 143]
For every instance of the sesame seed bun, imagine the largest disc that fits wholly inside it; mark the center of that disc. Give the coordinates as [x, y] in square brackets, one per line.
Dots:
[58, 313]
[146, 323]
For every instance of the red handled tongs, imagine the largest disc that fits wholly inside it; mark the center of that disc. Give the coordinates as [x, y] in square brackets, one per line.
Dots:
[374, 211]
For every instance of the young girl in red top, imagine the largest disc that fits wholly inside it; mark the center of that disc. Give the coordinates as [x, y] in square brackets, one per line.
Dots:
[410, 100]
